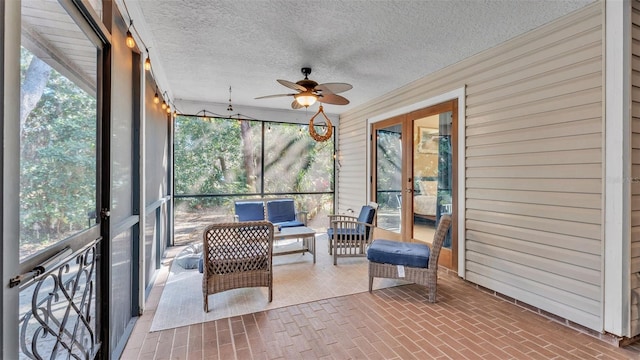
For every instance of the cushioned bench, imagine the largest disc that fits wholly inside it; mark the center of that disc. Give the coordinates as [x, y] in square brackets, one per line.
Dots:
[280, 212]
[413, 262]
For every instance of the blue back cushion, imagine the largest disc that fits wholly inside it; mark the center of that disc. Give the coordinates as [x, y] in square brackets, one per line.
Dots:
[281, 210]
[367, 214]
[250, 211]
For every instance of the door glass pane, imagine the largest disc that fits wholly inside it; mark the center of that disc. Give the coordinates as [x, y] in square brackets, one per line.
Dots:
[58, 128]
[389, 177]
[432, 164]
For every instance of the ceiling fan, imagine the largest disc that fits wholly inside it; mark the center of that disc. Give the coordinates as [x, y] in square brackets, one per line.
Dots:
[310, 91]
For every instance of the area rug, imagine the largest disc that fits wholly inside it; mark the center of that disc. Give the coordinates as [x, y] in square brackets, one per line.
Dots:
[296, 280]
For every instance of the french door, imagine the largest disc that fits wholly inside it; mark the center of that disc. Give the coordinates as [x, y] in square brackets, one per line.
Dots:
[414, 175]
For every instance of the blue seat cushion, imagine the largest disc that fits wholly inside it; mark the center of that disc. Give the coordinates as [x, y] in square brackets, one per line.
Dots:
[280, 211]
[287, 224]
[250, 211]
[399, 253]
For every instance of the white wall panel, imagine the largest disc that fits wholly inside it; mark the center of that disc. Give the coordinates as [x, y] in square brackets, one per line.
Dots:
[534, 163]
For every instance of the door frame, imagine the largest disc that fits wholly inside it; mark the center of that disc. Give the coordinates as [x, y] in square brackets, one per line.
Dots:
[460, 134]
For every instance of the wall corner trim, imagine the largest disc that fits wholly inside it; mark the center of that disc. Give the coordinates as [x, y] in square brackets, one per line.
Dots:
[617, 185]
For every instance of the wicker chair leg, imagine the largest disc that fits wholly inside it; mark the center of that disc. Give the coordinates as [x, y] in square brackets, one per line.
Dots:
[206, 303]
[432, 286]
[270, 293]
[370, 283]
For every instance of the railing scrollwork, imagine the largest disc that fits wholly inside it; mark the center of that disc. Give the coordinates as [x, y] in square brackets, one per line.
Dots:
[60, 320]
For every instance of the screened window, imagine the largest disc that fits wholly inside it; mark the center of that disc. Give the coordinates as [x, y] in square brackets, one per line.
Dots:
[218, 161]
[294, 162]
[217, 156]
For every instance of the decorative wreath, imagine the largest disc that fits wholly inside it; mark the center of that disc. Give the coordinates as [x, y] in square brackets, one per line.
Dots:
[312, 130]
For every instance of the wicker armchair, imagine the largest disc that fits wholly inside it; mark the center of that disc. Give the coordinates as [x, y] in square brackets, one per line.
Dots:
[426, 276]
[237, 255]
[350, 235]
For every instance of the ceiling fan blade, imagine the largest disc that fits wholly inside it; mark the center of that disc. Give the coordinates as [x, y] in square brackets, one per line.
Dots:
[333, 99]
[296, 105]
[273, 96]
[334, 87]
[292, 85]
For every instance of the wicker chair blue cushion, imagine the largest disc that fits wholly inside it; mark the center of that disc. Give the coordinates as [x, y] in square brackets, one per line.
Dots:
[250, 211]
[399, 253]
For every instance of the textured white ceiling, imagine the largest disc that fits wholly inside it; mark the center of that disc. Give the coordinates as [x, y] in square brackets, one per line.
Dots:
[201, 47]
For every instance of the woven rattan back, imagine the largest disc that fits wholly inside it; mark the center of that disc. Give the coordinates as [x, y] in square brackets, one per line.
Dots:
[438, 240]
[237, 255]
[239, 246]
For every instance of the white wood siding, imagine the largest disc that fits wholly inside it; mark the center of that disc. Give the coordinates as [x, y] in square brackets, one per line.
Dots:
[351, 192]
[534, 171]
[635, 170]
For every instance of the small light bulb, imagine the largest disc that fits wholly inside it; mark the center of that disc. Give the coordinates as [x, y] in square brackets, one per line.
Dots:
[147, 64]
[129, 41]
[164, 105]
[156, 99]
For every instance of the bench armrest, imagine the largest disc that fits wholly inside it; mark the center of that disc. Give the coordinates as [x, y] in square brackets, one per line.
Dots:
[302, 217]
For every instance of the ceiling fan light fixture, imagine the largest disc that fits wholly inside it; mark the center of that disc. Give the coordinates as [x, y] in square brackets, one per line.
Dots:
[306, 98]
[309, 91]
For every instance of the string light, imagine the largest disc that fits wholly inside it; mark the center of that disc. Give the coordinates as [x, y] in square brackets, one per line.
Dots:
[147, 62]
[130, 42]
[230, 107]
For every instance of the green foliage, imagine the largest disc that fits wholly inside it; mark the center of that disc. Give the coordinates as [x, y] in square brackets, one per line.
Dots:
[57, 162]
[294, 162]
[208, 156]
[216, 157]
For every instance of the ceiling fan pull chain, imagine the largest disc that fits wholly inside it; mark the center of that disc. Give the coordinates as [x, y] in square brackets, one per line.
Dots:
[312, 130]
